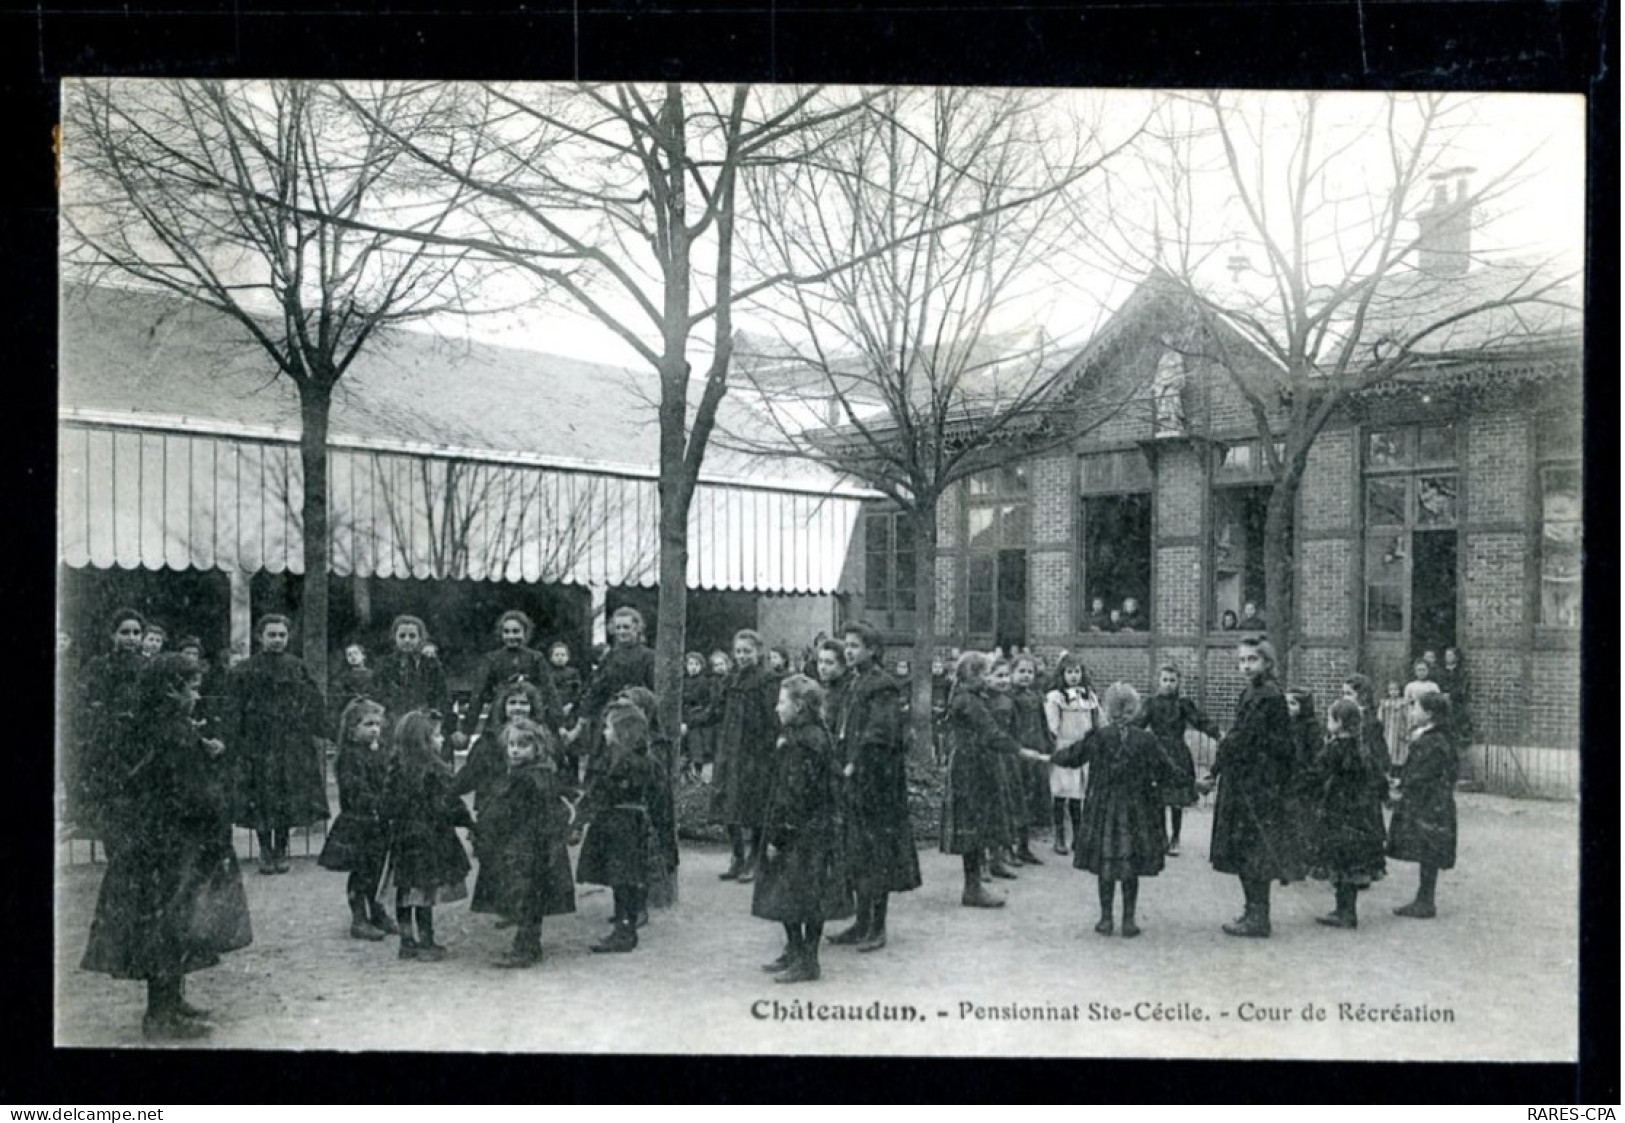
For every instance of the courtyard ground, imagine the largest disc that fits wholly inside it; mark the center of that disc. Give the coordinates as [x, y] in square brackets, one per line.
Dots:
[1496, 974]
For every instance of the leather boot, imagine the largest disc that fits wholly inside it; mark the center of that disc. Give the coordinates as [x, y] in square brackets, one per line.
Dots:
[1343, 915]
[804, 968]
[360, 925]
[381, 919]
[792, 950]
[859, 930]
[753, 855]
[1058, 814]
[623, 939]
[976, 896]
[999, 869]
[1131, 900]
[877, 925]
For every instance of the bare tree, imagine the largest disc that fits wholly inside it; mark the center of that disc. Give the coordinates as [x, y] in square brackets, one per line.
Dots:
[911, 369]
[1348, 236]
[231, 195]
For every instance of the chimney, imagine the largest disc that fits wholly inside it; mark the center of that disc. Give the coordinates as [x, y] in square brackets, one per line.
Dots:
[1444, 243]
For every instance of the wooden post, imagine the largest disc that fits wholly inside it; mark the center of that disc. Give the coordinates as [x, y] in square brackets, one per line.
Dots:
[600, 607]
[242, 618]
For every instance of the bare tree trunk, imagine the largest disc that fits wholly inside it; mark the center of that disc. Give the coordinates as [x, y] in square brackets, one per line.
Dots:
[1280, 550]
[315, 404]
[925, 621]
[669, 647]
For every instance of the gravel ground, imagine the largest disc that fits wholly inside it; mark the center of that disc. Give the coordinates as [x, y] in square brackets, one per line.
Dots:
[1501, 961]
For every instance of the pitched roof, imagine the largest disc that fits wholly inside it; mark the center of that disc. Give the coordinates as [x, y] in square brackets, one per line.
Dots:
[144, 354]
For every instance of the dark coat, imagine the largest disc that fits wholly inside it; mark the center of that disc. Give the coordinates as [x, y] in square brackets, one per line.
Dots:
[619, 805]
[106, 709]
[276, 717]
[869, 737]
[1252, 836]
[359, 837]
[424, 851]
[171, 901]
[567, 685]
[1029, 727]
[1120, 833]
[623, 665]
[348, 685]
[974, 816]
[1011, 785]
[700, 694]
[522, 842]
[500, 667]
[1168, 717]
[803, 875]
[748, 730]
[1348, 782]
[1456, 683]
[404, 683]
[1424, 823]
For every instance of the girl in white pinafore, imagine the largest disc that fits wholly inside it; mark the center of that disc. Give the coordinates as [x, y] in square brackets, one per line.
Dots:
[1072, 711]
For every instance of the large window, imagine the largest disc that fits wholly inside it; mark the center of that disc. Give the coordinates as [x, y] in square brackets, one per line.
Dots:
[997, 531]
[1115, 564]
[1558, 447]
[1411, 513]
[889, 561]
[1241, 496]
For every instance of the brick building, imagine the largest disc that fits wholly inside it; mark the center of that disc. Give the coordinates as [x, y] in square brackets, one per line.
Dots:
[1438, 510]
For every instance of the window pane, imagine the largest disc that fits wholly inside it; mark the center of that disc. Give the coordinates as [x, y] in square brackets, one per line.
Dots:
[1014, 522]
[1385, 608]
[980, 613]
[1560, 545]
[903, 532]
[1436, 501]
[1558, 435]
[1385, 502]
[982, 526]
[1127, 470]
[1239, 515]
[981, 574]
[904, 599]
[982, 484]
[1385, 448]
[1436, 444]
[878, 530]
[903, 572]
[1385, 556]
[1117, 555]
[1014, 480]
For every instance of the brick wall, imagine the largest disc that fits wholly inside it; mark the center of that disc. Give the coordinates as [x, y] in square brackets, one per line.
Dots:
[1326, 567]
[948, 518]
[1322, 671]
[1222, 683]
[1116, 664]
[1496, 589]
[1554, 700]
[1049, 592]
[1498, 451]
[947, 602]
[1179, 490]
[1327, 495]
[1498, 707]
[1178, 608]
[1053, 502]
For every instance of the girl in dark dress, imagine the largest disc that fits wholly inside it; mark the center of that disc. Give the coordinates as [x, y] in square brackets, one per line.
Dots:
[1423, 829]
[628, 662]
[803, 879]
[699, 696]
[521, 836]
[1358, 689]
[352, 682]
[973, 814]
[106, 708]
[513, 661]
[171, 901]
[1013, 811]
[1454, 682]
[487, 761]
[1254, 770]
[1121, 839]
[1298, 808]
[1349, 781]
[409, 679]
[278, 720]
[1030, 778]
[879, 840]
[359, 838]
[620, 842]
[426, 864]
[1169, 715]
[746, 734]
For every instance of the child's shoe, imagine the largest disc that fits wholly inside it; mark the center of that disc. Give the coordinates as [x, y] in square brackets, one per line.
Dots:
[624, 938]
[520, 959]
[430, 953]
[1417, 910]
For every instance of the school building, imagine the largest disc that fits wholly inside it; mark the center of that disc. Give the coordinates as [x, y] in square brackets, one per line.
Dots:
[1441, 508]
[464, 479]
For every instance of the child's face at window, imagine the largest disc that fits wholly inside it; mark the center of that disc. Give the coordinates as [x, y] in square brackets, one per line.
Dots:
[745, 653]
[1249, 609]
[369, 728]
[274, 637]
[829, 667]
[354, 656]
[1023, 675]
[900, 668]
[1097, 605]
[1130, 605]
[513, 635]
[999, 678]
[1451, 657]
[1167, 682]
[1293, 706]
[694, 666]
[152, 643]
[408, 639]
[521, 749]
[517, 705]
[787, 708]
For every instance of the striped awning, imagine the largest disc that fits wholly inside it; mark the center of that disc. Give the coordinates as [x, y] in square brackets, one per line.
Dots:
[131, 496]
